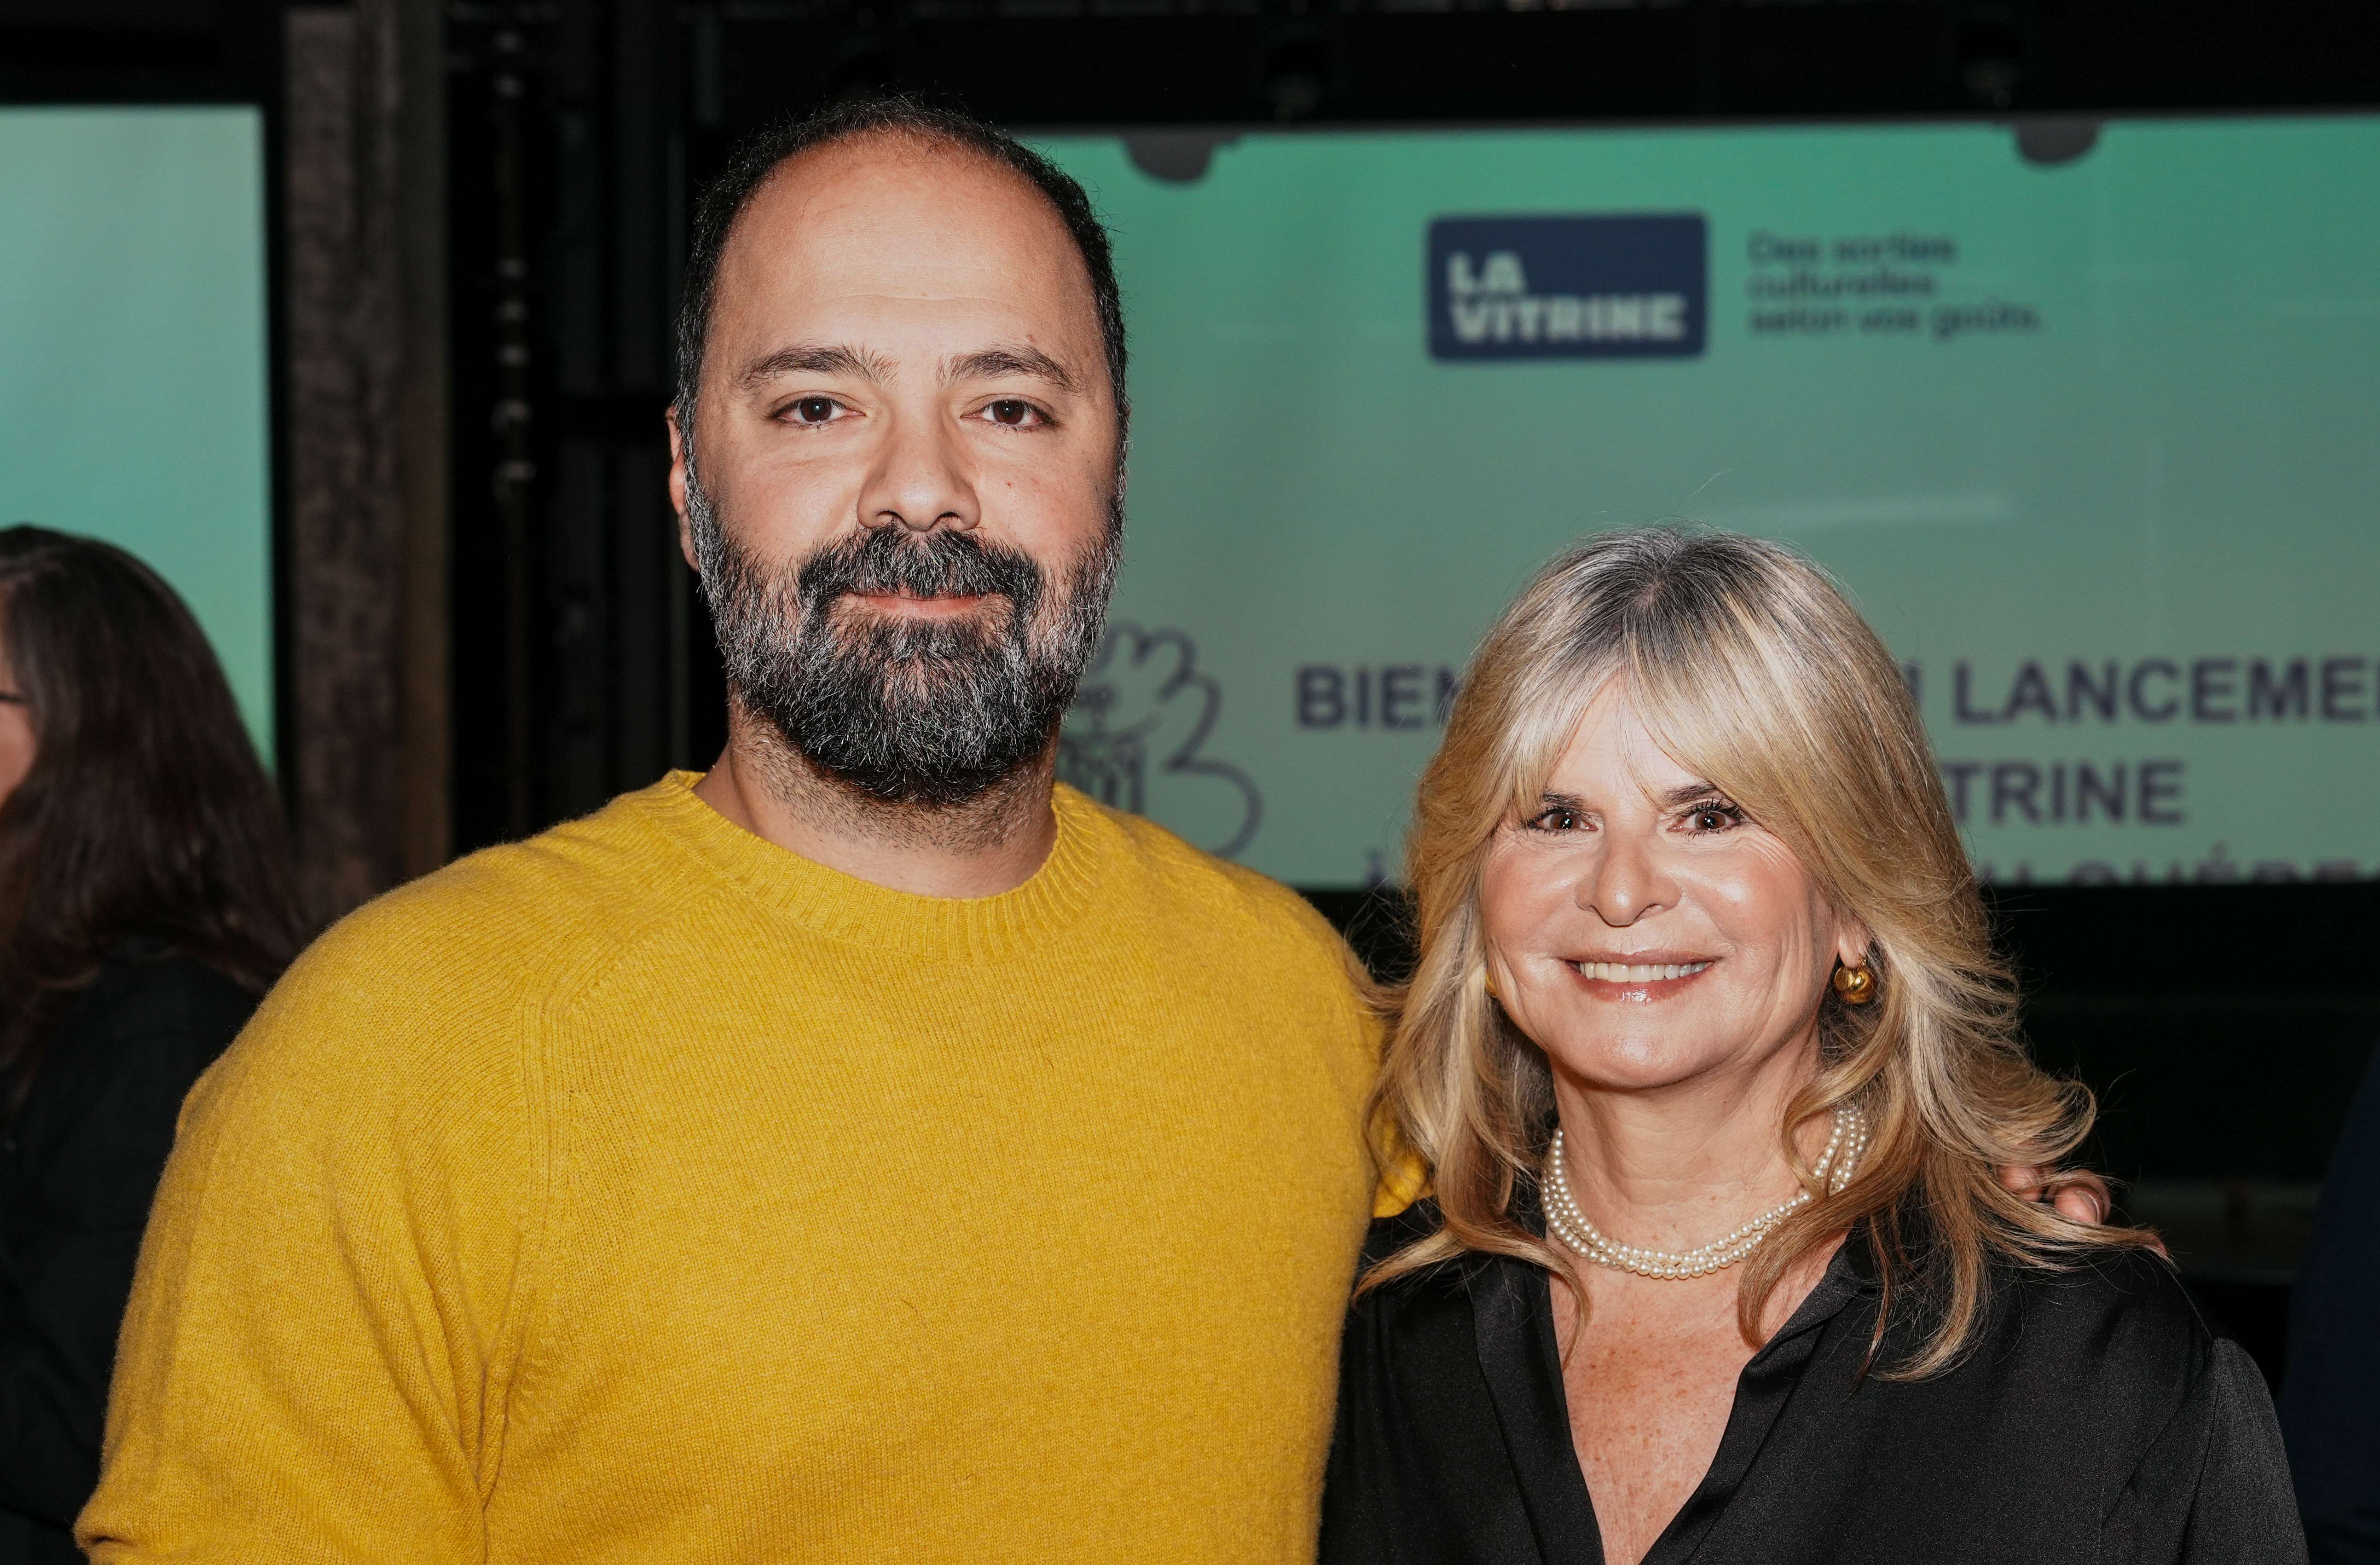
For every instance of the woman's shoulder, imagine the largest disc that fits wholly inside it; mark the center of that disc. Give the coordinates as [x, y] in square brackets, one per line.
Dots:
[2113, 1360]
[2117, 1319]
[1391, 1236]
[149, 1007]
[1394, 1232]
[148, 990]
[1416, 1330]
[2105, 1284]
[98, 1114]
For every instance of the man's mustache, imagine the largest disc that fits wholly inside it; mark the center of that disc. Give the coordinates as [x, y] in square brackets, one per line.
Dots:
[887, 559]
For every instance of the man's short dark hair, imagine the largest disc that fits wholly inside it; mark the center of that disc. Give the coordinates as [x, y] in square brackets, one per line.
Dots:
[724, 200]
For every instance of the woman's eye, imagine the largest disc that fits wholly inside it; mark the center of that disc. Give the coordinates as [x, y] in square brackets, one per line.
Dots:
[1013, 413]
[1714, 818]
[1557, 820]
[813, 410]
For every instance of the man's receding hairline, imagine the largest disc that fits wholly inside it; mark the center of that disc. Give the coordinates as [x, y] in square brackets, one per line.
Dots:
[925, 140]
[920, 138]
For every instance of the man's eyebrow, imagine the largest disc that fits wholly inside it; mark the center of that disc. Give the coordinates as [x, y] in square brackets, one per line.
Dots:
[989, 363]
[817, 359]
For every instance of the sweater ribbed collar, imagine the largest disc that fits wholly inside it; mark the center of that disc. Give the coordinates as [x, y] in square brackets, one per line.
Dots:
[845, 907]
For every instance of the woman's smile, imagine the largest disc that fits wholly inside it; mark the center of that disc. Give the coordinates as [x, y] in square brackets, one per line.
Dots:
[1658, 977]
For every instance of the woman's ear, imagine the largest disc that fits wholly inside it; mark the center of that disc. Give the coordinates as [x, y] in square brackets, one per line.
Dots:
[1851, 943]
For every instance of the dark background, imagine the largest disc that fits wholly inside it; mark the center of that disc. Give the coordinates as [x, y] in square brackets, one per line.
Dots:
[2224, 1026]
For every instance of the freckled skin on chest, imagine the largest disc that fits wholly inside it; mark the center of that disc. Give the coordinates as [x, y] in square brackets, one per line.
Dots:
[1650, 1383]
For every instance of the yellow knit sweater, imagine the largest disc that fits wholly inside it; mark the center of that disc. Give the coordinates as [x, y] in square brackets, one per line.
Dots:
[644, 1191]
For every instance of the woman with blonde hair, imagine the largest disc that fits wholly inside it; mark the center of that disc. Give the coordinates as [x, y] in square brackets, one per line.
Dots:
[1711, 1065]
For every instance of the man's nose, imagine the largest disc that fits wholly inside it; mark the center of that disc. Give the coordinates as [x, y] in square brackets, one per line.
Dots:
[920, 479]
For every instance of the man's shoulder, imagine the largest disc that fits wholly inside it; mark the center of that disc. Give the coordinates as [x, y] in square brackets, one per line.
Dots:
[496, 927]
[1226, 901]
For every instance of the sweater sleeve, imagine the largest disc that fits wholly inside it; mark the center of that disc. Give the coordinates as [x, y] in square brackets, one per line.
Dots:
[317, 1355]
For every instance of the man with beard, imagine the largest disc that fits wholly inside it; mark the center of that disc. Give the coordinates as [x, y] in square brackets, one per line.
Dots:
[869, 1150]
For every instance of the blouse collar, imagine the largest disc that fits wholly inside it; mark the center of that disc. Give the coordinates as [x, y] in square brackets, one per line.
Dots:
[1521, 1359]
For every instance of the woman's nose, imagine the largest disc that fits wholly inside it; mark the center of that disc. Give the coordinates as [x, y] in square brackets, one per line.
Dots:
[1625, 883]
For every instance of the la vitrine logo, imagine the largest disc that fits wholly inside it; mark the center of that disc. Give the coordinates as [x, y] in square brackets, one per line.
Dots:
[1632, 285]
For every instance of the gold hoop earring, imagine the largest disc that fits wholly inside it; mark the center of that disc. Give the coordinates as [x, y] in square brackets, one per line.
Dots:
[1490, 979]
[1856, 984]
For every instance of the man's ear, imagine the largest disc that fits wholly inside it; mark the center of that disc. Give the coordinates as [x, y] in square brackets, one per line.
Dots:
[678, 453]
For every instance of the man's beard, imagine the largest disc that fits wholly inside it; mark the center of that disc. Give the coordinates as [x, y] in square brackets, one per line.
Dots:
[929, 713]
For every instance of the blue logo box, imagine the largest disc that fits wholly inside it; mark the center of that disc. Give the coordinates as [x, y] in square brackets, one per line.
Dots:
[1568, 287]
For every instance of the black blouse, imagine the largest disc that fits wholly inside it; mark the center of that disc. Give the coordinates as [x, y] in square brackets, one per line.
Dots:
[2097, 1419]
[79, 1166]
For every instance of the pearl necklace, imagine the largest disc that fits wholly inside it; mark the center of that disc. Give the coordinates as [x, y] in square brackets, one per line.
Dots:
[1570, 1225]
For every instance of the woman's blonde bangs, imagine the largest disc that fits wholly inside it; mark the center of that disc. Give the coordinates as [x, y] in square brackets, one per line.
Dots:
[1541, 731]
[1795, 708]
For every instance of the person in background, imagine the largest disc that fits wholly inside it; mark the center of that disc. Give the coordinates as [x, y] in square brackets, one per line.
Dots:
[145, 901]
[2330, 1401]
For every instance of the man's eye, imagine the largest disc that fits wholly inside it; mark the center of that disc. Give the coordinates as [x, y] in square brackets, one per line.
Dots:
[1013, 413]
[813, 410]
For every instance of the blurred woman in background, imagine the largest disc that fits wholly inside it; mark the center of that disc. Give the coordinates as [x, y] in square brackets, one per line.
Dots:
[146, 901]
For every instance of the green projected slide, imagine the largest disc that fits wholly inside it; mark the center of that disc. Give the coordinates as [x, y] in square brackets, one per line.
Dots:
[132, 355]
[2094, 445]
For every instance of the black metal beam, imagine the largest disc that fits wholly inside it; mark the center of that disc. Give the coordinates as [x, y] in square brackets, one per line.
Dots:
[1347, 67]
[140, 51]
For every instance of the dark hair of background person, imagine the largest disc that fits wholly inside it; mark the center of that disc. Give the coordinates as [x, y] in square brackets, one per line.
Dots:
[146, 813]
[724, 200]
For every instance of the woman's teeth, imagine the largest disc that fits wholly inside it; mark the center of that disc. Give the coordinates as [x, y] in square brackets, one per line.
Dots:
[1637, 973]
